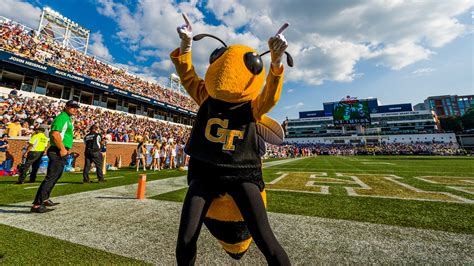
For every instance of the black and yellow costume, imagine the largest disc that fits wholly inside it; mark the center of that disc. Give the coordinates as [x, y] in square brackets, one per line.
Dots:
[225, 176]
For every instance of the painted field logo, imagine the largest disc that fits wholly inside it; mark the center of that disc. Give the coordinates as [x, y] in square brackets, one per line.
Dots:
[464, 184]
[367, 185]
[223, 135]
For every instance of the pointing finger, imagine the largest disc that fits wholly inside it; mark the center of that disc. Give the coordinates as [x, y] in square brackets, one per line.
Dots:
[186, 19]
[282, 28]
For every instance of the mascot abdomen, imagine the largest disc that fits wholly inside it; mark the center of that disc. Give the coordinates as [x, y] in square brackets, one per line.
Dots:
[225, 222]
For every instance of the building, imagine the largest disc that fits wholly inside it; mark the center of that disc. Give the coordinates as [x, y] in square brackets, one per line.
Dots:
[419, 107]
[354, 121]
[449, 105]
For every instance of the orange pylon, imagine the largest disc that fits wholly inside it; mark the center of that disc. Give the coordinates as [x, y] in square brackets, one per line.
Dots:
[141, 187]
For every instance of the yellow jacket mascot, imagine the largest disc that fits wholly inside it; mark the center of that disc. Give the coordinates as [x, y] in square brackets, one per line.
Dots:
[226, 188]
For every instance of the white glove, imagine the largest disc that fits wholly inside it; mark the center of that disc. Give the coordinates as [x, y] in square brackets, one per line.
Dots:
[185, 33]
[278, 45]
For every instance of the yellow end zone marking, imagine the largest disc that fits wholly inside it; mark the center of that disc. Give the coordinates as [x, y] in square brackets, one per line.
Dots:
[386, 186]
[295, 181]
[322, 178]
[369, 185]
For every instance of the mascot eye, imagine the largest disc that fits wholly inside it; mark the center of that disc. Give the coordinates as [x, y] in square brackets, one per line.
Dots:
[253, 62]
[216, 54]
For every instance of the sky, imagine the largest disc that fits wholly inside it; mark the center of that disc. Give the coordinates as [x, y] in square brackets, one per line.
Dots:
[394, 50]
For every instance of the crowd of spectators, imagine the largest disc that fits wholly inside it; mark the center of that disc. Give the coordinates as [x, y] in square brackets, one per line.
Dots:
[19, 116]
[42, 48]
[418, 148]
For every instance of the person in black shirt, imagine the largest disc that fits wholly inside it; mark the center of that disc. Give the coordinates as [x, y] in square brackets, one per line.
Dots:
[93, 154]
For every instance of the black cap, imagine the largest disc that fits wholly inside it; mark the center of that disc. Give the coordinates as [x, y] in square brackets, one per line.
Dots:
[4, 135]
[72, 103]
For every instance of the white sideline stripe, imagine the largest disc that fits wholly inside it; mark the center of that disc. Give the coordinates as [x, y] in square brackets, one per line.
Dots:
[60, 184]
[114, 177]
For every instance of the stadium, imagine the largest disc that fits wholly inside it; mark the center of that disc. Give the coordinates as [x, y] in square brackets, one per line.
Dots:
[354, 182]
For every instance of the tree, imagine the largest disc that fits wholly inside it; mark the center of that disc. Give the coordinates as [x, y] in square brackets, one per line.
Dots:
[468, 119]
[451, 123]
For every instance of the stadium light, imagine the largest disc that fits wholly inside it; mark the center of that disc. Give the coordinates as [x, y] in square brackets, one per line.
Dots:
[64, 30]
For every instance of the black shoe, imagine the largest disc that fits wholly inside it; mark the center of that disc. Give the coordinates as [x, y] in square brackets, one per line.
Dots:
[40, 209]
[19, 183]
[50, 203]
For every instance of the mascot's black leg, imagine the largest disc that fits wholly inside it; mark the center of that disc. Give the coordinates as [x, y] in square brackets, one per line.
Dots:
[195, 207]
[248, 199]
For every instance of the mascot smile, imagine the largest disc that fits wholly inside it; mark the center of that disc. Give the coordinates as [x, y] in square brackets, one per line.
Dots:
[226, 189]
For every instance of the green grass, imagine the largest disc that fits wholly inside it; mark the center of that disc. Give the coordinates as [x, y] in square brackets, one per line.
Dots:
[11, 193]
[19, 247]
[445, 216]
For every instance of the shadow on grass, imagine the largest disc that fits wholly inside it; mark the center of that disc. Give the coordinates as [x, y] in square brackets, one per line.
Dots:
[14, 211]
[4, 208]
[8, 182]
[14, 206]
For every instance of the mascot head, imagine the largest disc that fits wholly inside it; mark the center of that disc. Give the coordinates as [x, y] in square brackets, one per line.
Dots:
[236, 73]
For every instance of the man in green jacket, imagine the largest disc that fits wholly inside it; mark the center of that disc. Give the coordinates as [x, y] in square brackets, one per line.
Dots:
[61, 137]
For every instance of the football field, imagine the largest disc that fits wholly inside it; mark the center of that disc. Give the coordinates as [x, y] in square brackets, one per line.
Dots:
[417, 191]
[364, 209]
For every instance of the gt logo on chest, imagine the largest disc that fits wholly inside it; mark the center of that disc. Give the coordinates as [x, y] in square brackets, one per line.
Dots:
[223, 135]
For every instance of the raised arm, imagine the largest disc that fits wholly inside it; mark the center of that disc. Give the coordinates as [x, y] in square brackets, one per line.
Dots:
[182, 59]
[273, 86]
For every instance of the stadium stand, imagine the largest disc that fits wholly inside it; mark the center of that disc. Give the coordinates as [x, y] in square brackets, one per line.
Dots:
[419, 148]
[18, 39]
[122, 127]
